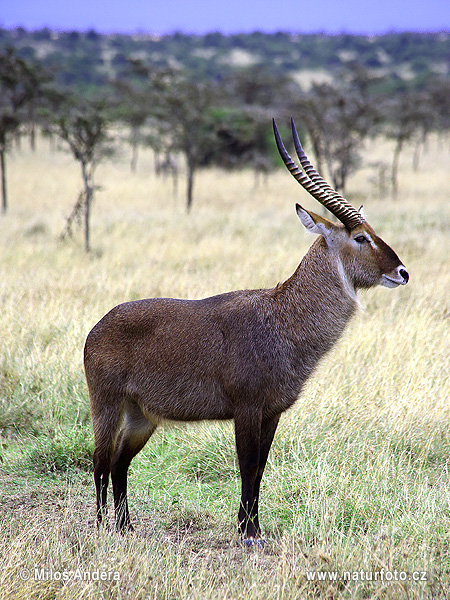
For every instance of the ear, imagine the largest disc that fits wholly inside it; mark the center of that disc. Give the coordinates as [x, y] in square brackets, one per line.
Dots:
[316, 224]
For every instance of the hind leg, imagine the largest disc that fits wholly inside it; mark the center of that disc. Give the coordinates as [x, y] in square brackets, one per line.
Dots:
[106, 427]
[102, 467]
[134, 435]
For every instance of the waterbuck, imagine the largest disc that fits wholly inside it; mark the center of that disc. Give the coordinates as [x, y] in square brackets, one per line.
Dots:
[242, 355]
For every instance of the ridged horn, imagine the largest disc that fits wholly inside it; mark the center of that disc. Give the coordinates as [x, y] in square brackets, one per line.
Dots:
[313, 183]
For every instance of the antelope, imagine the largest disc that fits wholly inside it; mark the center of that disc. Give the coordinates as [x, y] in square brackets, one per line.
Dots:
[243, 355]
[166, 165]
[262, 167]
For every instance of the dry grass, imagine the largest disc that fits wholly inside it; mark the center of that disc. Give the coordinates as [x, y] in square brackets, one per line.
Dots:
[358, 478]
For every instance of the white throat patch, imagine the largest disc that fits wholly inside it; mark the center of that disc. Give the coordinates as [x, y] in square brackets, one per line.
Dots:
[348, 287]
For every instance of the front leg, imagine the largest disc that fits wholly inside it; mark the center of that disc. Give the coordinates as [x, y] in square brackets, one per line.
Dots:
[268, 429]
[247, 423]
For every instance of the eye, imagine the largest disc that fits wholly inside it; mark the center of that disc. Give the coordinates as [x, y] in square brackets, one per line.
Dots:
[360, 239]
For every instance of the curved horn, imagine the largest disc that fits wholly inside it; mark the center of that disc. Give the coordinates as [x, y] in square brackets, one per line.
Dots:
[313, 183]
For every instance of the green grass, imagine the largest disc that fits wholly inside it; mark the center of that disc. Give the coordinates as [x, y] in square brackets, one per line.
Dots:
[358, 476]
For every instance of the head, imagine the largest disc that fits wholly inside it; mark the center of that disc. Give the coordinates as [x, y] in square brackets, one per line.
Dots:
[367, 260]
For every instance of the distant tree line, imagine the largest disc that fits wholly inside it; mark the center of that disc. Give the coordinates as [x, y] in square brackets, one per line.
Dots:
[89, 59]
[224, 122]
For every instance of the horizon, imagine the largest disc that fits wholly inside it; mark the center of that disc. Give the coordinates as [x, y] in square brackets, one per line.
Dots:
[148, 33]
[234, 17]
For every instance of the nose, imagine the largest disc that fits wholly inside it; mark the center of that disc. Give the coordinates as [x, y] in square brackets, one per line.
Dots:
[404, 273]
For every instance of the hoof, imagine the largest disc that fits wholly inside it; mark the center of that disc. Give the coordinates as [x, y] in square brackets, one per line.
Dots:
[254, 542]
[125, 529]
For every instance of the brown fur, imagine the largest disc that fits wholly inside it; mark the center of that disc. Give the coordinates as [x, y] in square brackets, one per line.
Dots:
[243, 355]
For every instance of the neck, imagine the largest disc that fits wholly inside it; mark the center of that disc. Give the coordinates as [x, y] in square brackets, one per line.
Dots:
[316, 303]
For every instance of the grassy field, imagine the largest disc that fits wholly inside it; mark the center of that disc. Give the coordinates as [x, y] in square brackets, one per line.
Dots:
[357, 487]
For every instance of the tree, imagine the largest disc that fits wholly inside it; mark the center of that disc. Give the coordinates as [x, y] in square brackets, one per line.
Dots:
[20, 85]
[249, 99]
[438, 102]
[407, 114]
[133, 110]
[175, 109]
[244, 137]
[83, 125]
[134, 89]
[338, 119]
[258, 85]
[185, 120]
[178, 113]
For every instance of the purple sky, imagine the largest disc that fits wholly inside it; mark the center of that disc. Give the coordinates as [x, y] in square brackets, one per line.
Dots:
[228, 16]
